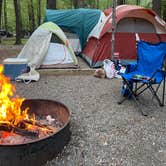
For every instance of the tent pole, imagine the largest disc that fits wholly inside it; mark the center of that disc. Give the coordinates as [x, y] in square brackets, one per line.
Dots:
[113, 29]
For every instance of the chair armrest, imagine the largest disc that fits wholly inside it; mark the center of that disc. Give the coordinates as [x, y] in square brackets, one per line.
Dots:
[153, 78]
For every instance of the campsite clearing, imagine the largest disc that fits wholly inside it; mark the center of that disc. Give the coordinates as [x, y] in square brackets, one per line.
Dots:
[103, 132]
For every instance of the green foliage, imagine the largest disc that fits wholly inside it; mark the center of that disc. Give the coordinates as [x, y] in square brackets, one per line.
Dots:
[164, 9]
[67, 4]
[24, 14]
[146, 3]
[64, 4]
[10, 16]
[11, 41]
[61, 4]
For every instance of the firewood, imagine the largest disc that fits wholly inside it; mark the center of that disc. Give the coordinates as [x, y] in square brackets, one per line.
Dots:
[37, 123]
[14, 129]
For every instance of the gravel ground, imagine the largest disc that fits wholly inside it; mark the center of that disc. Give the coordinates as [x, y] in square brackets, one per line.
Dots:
[103, 132]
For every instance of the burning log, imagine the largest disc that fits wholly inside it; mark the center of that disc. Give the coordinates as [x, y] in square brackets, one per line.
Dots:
[17, 130]
[37, 123]
[22, 128]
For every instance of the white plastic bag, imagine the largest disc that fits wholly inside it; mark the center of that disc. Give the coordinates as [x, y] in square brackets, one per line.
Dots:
[109, 68]
[32, 75]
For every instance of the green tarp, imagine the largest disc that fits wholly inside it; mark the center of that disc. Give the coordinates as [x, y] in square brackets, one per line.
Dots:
[80, 21]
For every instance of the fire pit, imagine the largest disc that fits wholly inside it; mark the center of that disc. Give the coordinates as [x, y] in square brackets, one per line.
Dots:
[32, 131]
[36, 151]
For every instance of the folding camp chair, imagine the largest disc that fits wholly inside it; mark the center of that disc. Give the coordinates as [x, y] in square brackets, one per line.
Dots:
[147, 74]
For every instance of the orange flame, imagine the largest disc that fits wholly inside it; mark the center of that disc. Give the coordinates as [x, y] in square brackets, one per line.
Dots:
[10, 105]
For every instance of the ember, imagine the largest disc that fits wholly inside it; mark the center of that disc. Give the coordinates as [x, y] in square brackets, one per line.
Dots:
[18, 124]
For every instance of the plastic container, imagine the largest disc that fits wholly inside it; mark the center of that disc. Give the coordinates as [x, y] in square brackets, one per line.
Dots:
[14, 67]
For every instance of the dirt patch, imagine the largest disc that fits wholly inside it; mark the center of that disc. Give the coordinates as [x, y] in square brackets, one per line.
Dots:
[9, 51]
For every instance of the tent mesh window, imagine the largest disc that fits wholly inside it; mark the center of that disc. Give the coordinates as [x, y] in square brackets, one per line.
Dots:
[56, 39]
[135, 25]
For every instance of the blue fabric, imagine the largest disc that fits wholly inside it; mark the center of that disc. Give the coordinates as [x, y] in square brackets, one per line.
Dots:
[124, 89]
[80, 21]
[150, 59]
[131, 66]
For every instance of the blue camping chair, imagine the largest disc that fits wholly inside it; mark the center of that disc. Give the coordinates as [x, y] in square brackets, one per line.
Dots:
[147, 72]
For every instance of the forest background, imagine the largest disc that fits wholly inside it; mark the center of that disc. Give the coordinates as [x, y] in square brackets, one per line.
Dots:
[22, 17]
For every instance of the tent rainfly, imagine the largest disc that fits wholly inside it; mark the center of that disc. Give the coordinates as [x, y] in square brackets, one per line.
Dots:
[48, 47]
[80, 21]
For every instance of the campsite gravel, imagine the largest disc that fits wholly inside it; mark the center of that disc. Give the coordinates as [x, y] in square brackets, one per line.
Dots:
[103, 132]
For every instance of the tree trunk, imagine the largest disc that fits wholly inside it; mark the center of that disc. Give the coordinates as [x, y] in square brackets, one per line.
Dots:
[31, 15]
[97, 4]
[71, 3]
[0, 14]
[75, 3]
[78, 3]
[82, 3]
[120, 2]
[137, 2]
[51, 4]
[18, 21]
[93, 4]
[156, 6]
[39, 13]
[5, 15]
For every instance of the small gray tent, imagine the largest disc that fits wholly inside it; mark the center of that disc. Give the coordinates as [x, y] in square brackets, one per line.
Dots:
[48, 47]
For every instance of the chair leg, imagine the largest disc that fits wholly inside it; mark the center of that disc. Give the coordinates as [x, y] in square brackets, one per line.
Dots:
[138, 106]
[163, 97]
[133, 96]
[122, 100]
[155, 94]
[124, 97]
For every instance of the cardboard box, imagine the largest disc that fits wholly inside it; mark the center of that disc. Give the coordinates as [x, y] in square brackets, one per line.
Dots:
[14, 67]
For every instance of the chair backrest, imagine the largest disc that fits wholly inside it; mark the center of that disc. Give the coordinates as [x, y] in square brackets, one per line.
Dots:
[150, 57]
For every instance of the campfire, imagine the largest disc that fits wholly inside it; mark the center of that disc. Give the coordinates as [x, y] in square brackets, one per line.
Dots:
[32, 131]
[18, 125]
